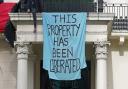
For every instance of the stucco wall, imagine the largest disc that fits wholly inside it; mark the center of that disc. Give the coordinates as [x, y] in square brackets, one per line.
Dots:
[119, 61]
[8, 66]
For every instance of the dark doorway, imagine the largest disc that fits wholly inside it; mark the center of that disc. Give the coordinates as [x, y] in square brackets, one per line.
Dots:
[85, 81]
[86, 76]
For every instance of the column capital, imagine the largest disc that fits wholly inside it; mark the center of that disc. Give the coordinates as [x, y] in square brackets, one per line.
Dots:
[101, 50]
[102, 43]
[23, 50]
[21, 43]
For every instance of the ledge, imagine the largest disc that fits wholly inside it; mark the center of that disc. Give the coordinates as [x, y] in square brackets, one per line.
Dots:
[97, 26]
[90, 16]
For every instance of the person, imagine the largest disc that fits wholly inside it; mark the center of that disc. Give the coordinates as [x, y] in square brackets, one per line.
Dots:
[63, 84]
[32, 7]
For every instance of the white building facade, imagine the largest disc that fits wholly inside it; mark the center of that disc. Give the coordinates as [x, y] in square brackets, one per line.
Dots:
[107, 51]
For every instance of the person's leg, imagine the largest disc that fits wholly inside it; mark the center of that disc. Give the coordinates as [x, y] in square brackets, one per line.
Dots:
[72, 84]
[76, 84]
[55, 84]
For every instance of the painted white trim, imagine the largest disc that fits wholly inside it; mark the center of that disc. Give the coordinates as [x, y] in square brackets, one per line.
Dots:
[16, 1]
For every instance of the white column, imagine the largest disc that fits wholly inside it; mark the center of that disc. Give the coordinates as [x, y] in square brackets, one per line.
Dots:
[22, 57]
[101, 64]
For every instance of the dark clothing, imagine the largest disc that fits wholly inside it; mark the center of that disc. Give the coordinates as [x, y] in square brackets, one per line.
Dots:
[83, 83]
[10, 33]
[57, 84]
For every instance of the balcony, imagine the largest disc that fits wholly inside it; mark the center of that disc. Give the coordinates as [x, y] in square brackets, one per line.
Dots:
[97, 27]
[120, 20]
[120, 11]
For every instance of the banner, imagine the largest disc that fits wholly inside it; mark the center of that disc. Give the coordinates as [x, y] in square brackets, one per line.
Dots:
[64, 44]
[5, 9]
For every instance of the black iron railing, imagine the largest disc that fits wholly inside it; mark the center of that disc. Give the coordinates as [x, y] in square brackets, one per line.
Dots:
[120, 24]
[120, 20]
[120, 10]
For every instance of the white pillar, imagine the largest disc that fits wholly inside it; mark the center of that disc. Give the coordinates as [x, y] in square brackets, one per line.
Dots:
[22, 57]
[101, 64]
